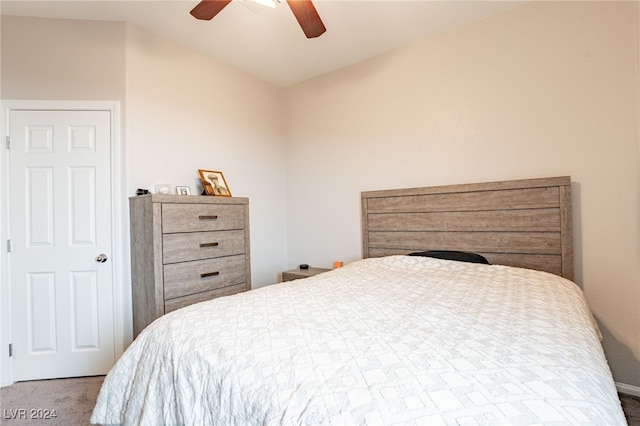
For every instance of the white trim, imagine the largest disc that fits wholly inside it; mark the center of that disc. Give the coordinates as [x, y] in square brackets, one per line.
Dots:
[5, 291]
[628, 389]
[117, 178]
[117, 231]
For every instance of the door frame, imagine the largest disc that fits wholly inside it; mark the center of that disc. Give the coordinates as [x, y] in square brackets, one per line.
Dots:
[120, 277]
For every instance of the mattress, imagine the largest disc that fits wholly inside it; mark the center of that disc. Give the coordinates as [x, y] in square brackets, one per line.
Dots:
[381, 341]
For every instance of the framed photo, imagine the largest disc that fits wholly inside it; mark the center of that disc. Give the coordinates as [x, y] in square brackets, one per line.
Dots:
[183, 190]
[214, 183]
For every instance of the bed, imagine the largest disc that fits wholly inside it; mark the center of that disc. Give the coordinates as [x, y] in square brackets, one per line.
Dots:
[392, 338]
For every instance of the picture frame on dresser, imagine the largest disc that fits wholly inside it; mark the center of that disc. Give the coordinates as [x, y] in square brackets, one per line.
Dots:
[183, 190]
[214, 183]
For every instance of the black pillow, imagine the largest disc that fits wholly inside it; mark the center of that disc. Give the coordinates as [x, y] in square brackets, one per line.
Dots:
[460, 256]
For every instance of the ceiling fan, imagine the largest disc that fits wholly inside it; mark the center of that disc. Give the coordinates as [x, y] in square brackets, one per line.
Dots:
[304, 11]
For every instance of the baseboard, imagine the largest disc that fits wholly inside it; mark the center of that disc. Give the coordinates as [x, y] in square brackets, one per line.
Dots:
[628, 389]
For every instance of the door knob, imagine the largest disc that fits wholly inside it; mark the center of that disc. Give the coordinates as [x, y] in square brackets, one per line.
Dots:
[101, 258]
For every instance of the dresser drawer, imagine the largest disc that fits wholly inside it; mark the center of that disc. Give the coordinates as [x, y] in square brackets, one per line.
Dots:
[201, 245]
[201, 217]
[181, 302]
[182, 279]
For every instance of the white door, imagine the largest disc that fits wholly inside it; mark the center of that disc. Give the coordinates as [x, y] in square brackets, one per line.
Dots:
[60, 222]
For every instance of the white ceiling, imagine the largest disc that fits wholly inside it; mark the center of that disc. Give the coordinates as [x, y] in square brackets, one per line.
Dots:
[268, 43]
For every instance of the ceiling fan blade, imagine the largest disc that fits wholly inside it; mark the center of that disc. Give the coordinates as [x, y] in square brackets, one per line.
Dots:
[207, 9]
[308, 18]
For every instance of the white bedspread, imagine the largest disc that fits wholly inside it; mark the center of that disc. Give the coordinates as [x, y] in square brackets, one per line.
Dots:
[395, 340]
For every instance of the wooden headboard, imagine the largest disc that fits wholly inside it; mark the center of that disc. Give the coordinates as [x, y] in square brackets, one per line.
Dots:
[524, 223]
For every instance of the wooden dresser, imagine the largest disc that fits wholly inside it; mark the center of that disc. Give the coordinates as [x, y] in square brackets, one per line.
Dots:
[186, 249]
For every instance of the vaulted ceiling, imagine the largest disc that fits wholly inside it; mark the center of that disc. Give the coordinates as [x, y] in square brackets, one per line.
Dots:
[268, 42]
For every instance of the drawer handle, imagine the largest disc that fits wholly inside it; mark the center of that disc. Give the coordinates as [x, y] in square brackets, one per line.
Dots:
[209, 274]
[208, 245]
[207, 217]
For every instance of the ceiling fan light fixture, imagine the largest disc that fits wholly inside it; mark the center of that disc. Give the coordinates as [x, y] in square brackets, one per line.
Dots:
[304, 11]
[268, 3]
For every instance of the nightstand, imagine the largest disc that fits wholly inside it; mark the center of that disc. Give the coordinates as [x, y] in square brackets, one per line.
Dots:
[295, 274]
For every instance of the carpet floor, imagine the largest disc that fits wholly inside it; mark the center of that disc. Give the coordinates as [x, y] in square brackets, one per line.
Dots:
[72, 401]
[30, 403]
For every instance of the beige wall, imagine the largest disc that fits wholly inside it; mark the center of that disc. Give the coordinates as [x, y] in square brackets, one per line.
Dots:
[180, 111]
[546, 89]
[185, 112]
[55, 59]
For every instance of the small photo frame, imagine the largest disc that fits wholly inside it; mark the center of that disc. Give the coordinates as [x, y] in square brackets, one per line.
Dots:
[183, 190]
[214, 183]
